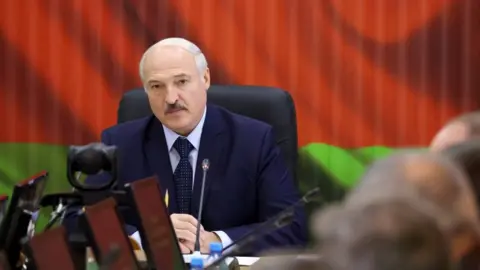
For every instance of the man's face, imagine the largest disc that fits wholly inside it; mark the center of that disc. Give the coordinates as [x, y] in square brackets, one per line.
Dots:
[176, 90]
[449, 135]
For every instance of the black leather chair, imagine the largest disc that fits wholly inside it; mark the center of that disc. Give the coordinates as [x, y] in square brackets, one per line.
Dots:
[271, 105]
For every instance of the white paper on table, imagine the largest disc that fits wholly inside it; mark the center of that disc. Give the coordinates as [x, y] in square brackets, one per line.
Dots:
[247, 261]
[242, 261]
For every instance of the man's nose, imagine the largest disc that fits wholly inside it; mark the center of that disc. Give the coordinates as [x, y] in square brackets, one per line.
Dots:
[172, 96]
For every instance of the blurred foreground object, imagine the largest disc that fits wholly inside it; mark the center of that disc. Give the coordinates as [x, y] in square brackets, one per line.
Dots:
[388, 235]
[19, 220]
[156, 231]
[289, 260]
[457, 130]
[104, 230]
[50, 250]
[434, 184]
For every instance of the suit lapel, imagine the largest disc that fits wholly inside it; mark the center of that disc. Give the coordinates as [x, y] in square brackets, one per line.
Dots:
[156, 153]
[212, 147]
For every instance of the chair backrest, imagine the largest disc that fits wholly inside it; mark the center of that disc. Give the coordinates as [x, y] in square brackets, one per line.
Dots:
[270, 105]
[20, 217]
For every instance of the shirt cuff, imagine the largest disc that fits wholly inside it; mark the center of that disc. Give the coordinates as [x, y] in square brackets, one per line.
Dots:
[226, 240]
[136, 236]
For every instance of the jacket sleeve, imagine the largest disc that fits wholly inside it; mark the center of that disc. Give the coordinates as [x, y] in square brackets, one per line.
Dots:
[277, 191]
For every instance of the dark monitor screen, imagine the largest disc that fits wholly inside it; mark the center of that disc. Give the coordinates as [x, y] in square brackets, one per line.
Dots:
[25, 197]
[30, 191]
[156, 230]
[104, 227]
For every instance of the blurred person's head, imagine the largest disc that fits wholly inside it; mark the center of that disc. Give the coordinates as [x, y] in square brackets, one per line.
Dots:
[467, 156]
[460, 129]
[390, 235]
[175, 75]
[433, 182]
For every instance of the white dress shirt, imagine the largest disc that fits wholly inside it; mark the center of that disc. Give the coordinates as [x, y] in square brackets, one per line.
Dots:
[194, 138]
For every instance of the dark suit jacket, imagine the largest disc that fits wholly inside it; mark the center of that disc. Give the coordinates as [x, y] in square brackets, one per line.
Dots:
[247, 181]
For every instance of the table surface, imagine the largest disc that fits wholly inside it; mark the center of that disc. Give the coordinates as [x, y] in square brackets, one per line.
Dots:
[92, 265]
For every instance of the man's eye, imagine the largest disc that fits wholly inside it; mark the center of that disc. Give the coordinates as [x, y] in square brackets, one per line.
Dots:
[182, 82]
[155, 86]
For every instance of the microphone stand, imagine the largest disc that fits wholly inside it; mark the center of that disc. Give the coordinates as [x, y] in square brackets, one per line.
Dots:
[56, 215]
[205, 167]
[60, 211]
[282, 219]
[285, 218]
[304, 200]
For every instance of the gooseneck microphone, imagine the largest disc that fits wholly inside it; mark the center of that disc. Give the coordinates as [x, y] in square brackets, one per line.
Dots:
[282, 219]
[308, 197]
[205, 167]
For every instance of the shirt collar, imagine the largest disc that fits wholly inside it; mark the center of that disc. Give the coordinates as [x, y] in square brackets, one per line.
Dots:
[194, 136]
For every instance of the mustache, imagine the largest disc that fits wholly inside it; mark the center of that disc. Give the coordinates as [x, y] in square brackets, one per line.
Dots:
[175, 107]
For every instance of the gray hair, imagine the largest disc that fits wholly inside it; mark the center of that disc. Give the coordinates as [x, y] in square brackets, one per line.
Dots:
[187, 45]
[471, 120]
[434, 182]
[382, 235]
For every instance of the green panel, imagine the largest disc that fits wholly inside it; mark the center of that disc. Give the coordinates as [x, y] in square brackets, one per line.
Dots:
[21, 160]
[369, 154]
[343, 167]
[333, 169]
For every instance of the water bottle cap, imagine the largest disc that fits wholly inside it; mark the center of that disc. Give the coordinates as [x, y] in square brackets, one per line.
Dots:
[196, 262]
[216, 247]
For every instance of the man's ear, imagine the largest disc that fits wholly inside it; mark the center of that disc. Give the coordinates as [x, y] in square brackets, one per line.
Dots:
[206, 78]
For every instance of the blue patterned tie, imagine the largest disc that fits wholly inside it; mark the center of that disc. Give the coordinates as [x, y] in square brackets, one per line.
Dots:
[183, 175]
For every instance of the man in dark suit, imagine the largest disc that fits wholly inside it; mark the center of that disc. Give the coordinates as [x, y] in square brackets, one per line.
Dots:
[247, 181]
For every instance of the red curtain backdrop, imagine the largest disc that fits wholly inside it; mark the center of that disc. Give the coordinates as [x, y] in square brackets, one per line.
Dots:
[370, 72]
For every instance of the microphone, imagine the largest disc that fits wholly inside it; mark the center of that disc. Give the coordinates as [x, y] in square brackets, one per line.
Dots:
[205, 167]
[307, 198]
[282, 219]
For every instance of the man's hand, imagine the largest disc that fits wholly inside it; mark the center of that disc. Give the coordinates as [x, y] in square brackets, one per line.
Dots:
[185, 228]
[206, 239]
